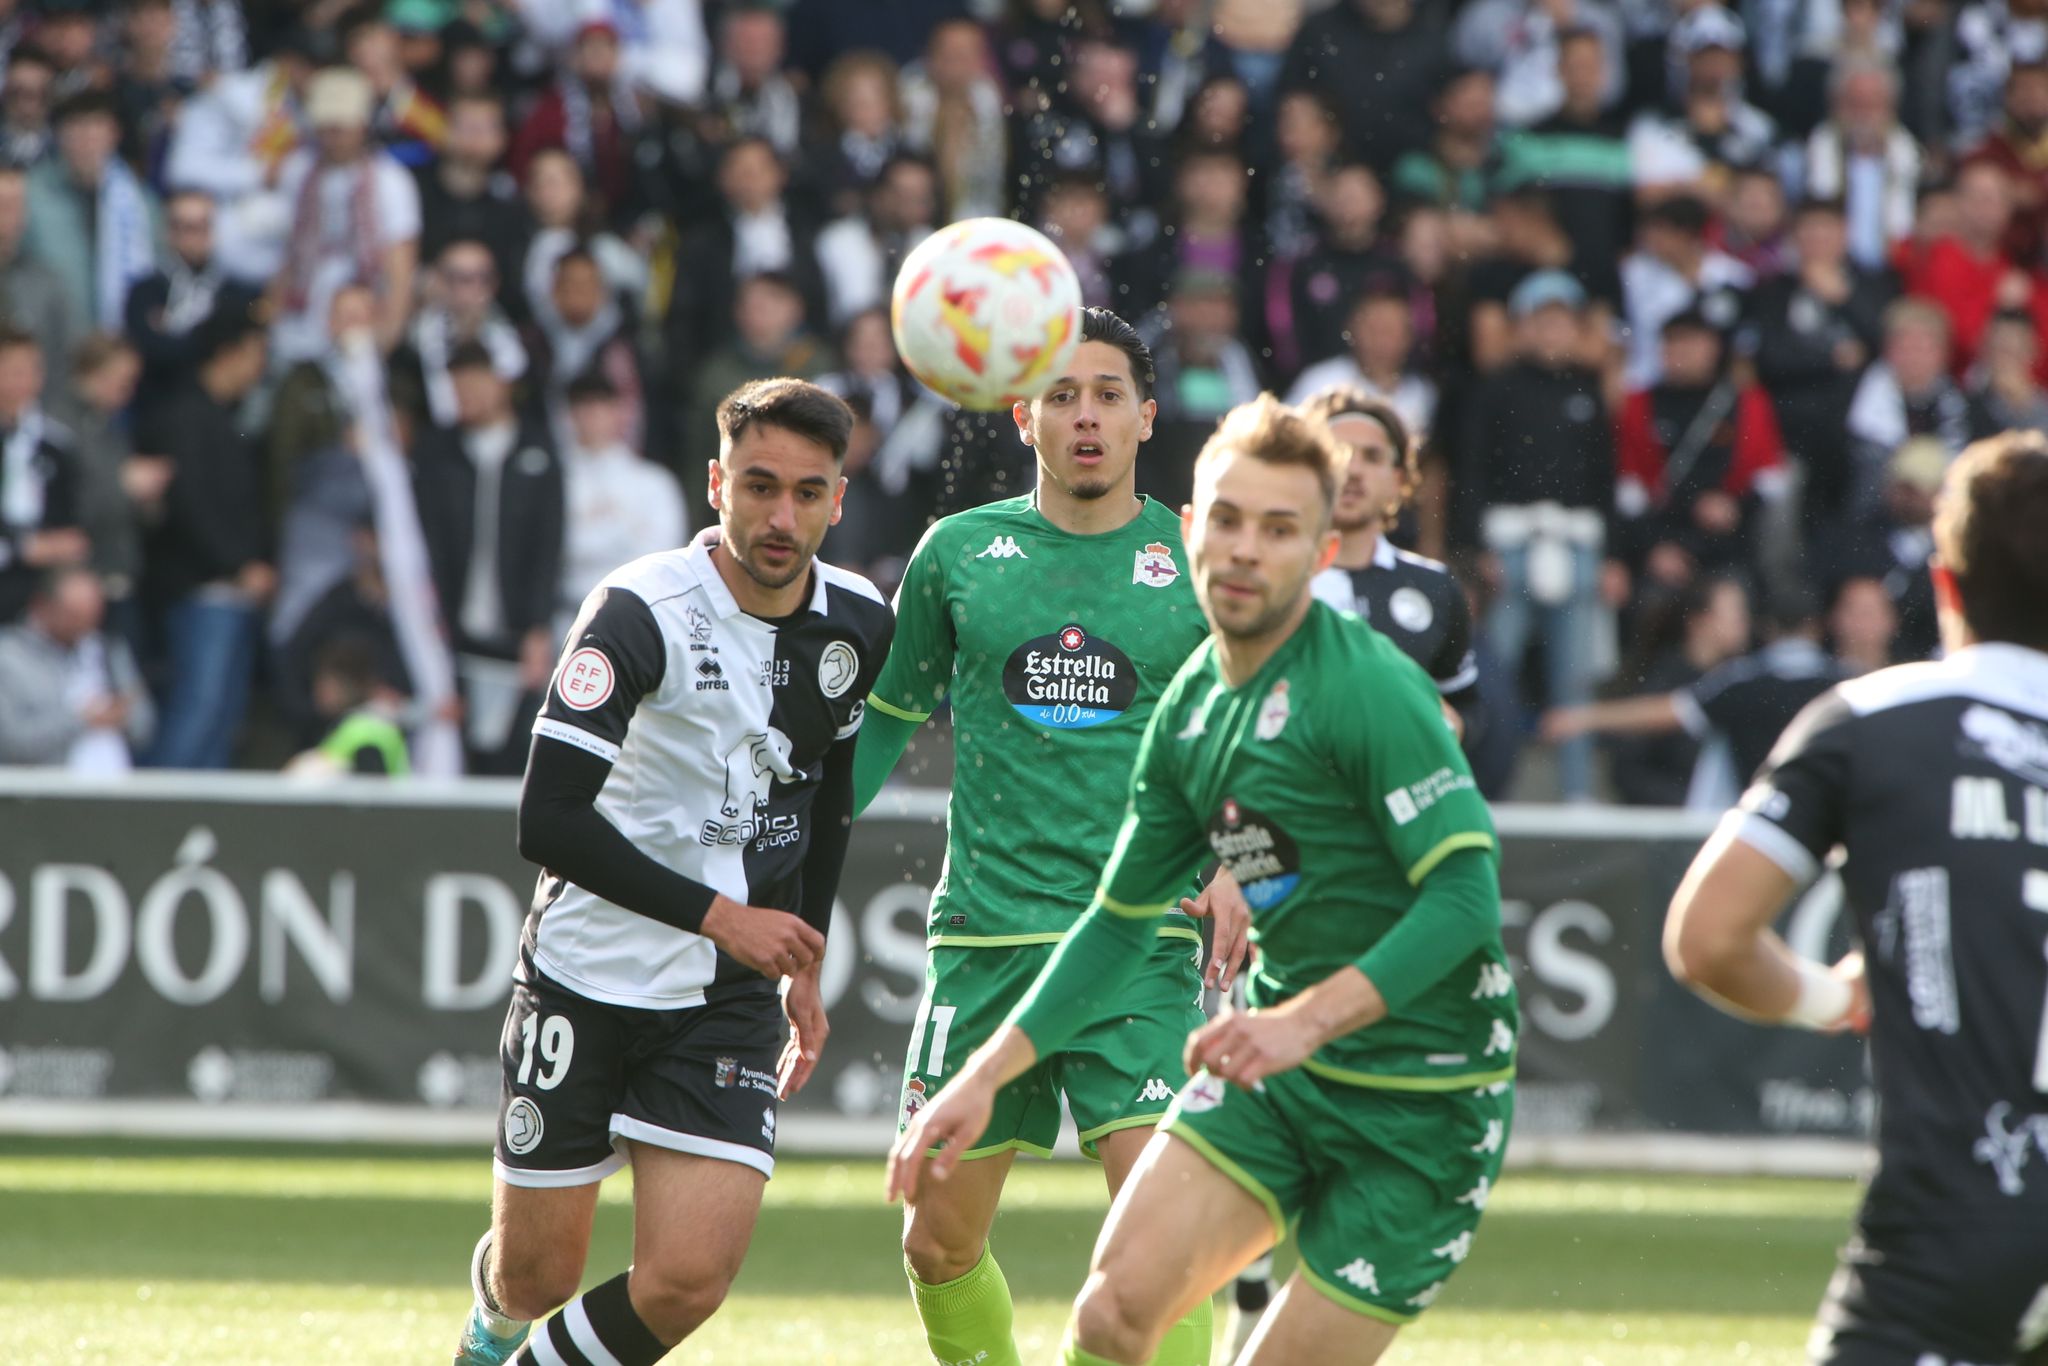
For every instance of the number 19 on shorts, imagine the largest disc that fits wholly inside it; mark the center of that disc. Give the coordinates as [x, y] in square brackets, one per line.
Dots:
[557, 1038]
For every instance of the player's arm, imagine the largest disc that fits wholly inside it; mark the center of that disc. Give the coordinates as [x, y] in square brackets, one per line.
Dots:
[803, 1002]
[1650, 714]
[1718, 938]
[1455, 669]
[615, 656]
[915, 675]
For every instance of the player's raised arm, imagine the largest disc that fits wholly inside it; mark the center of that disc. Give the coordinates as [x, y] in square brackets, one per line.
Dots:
[916, 674]
[614, 658]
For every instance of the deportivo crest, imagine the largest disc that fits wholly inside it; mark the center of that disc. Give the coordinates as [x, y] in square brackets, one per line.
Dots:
[1273, 713]
[913, 1097]
[1155, 567]
[1203, 1092]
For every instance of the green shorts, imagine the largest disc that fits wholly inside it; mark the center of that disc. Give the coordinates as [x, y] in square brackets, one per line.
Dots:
[1384, 1188]
[1117, 1073]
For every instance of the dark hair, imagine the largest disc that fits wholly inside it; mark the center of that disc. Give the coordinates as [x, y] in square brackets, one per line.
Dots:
[471, 355]
[28, 54]
[1789, 606]
[1682, 213]
[1272, 433]
[1581, 33]
[1987, 530]
[592, 386]
[13, 338]
[1101, 325]
[792, 404]
[351, 661]
[1819, 203]
[580, 254]
[85, 104]
[1327, 405]
[223, 330]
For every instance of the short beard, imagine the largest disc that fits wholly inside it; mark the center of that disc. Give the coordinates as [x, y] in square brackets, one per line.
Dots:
[1089, 492]
[801, 567]
[1362, 522]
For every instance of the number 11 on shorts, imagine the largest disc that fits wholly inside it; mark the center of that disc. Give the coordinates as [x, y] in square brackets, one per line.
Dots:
[941, 1021]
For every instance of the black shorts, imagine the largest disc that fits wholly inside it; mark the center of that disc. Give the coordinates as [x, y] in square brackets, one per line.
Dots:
[1971, 1293]
[583, 1075]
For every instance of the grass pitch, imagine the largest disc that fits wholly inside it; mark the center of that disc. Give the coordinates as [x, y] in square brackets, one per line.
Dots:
[235, 1255]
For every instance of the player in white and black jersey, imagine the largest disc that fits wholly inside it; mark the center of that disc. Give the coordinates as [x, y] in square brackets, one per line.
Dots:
[1932, 781]
[688, 796]
[1410, 599]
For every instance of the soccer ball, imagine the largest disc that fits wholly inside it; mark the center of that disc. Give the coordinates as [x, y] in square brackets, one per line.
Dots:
[985, 312]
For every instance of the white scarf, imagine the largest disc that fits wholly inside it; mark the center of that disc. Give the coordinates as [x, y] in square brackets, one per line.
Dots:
[21, 483]
[431, 338]
[126, 249]
[191, 295]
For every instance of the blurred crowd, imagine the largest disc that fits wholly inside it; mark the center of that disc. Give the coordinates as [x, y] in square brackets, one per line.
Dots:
[344, 346]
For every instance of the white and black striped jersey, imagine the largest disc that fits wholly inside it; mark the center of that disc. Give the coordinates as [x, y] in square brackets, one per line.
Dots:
[1749, 701]
[1933, 781]
[716, 725]
[1415, 602]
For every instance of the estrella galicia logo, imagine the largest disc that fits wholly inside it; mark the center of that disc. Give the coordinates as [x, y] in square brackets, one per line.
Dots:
[1259, 854]
[1069, 680]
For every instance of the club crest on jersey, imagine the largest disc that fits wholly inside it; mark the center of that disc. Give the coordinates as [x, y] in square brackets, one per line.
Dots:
[1410, 609]
[1155, 567]
[724, 1071]
[700, 630]
[1069, 680]
[585, 679]
[1273, 713]
[838, 666]
[913, 1097]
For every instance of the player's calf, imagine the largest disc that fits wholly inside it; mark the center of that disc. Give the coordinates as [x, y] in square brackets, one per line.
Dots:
[530, 1279]
[676, 1302]
[1112, 1323]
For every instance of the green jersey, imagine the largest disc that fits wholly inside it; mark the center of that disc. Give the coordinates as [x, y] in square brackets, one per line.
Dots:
[1054, 649]
[1330, 785]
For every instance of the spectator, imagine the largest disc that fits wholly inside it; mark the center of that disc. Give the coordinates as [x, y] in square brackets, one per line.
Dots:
[903, 421]
[41, 512]
[404, 119]
[1698, 455]
[1075, 214]
[562, 219]
[1308, 137]
[1988, 39]
[1865, 158]
[2005, 391]
[1201, 371]
[1812, 332]
[1097, 130]
[1579, 156]
[591, 113]
[1893, 543]
[25, 106]
[310, 410]
[1753, 223]
[1209, 234]
[1674, 269]
[1461, 165]
[1217, 118]
[1534, 487]
[1529, 237]
[863, 129]
[859, 255]
[1863, 625]
[146, 88]
[667, 53]
[163, 308]
[465, 193]
[208, 565]
[363, 735]
[1379, 363]
[617, 506]
[953, 114]
[1715, 130]
[95, 226]
[583, 333]
[757, 230]
[1909, 392]
[68, 31]
[750, 96]
[1351, 258]
[769, 339]
[1967, 272]
[117, 488]
[209, 39]
[1520, 41]
[489, 492]
[1395, 48]
[355, 217]
[31, 297]
[2013, 144]
[461, 308]
[1708, 625]
[70, 694]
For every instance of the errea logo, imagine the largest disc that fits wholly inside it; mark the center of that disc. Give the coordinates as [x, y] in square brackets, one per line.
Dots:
[1003, 548]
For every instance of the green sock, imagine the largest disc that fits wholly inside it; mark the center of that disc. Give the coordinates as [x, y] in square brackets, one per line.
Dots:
[968, 1319]
[1070, 1355]
[1187, 1342]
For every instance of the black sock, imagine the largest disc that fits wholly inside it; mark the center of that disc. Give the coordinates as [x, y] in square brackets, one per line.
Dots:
[603, 1318]
[1253, 1294]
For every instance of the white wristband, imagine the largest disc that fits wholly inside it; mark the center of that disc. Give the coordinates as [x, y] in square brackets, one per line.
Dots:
[1823, 998]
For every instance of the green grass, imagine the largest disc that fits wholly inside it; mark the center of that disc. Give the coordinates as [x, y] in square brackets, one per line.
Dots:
[237, 1255]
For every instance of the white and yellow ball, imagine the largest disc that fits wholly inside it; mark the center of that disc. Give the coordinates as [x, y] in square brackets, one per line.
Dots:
[986, 312]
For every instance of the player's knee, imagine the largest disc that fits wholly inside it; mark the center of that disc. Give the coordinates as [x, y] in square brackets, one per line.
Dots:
[676, 1302]
[532, 1283]
[1109, 1323]
[933, 1256]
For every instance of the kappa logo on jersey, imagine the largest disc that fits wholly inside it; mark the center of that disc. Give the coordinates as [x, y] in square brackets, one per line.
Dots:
[1003, 548]
[838, 666]
[2007, 741]
[700, 630]
[751, 768]
[1070, 680]
[1156, 1089]
[1273, 713]
[1258, 853]
[1410, 609]
[585, 679]
[1203, 1092]
[523, 1126]
[1155, 567]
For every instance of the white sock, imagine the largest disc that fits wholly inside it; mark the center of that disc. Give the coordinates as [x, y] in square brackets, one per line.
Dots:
[495, 1320]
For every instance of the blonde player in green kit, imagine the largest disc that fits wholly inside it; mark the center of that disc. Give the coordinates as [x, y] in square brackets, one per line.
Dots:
[1365, 1096]
[1053, 624]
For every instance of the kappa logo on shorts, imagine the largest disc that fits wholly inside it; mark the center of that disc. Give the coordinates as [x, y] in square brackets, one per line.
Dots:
[1361, 1275]
[523, 1126]
[1427, 1297]
[1203, 1092]
[1155, 1089]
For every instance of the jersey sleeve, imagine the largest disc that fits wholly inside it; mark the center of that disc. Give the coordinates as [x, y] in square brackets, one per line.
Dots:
[1717, 700]
[1403, 764]
[1792, 813]
[919, 667]
[614, 656]
[1456, 665]
[1161, 843]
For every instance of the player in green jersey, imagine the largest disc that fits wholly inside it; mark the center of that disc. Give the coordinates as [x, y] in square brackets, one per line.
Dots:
[1053, 623]
[1366, 1095]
